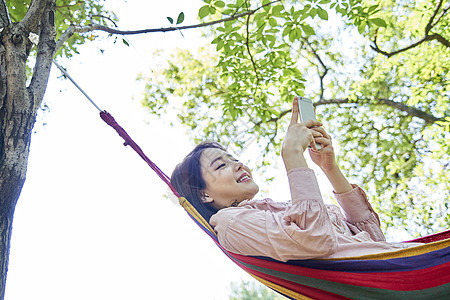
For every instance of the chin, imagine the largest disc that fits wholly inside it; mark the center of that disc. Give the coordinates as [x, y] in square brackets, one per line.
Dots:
[254, 191]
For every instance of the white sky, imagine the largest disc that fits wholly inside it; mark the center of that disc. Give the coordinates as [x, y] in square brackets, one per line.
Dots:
[92, 221]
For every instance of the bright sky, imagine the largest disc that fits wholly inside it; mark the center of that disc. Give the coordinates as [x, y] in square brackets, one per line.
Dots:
[92, 221]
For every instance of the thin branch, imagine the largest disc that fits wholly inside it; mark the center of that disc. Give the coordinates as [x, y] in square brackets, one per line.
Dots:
[430, 22]
[94, 27]
[411, 111]
[5, 19]
[321, 76]
[427, 37]
[64, 37]
[247, 44]
[444, 11]
[440, 38]
[434, 36]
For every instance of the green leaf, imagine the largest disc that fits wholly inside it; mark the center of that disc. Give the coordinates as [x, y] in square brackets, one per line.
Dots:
[203, 11]
[372, 8]
[180, 18]
[212, 10]
[219, 4]
[170, 20]
[307, 29]
[379, 22]
[273, 22]
[276, 11]
[228, 11]
[322, 14]
[125, 42]
[362, 27]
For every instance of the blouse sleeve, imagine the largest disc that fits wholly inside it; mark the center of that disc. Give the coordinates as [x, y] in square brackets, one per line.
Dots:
[359, 213]
[301, 230]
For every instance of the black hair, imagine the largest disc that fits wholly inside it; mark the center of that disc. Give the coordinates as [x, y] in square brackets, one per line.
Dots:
[188, 181]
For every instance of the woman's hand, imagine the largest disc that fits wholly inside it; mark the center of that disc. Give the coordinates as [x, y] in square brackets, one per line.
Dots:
[297, 139]
[324, 158]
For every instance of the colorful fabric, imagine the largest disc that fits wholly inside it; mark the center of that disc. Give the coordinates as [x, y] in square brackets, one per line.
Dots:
[421, 272]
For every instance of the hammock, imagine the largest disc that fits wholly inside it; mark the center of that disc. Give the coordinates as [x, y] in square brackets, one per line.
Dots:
[421, 272]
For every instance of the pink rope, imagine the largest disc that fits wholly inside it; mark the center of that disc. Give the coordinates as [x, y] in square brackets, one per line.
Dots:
[129, 142]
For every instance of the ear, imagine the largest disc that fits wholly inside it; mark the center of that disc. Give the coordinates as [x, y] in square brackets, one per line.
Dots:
[207, 199]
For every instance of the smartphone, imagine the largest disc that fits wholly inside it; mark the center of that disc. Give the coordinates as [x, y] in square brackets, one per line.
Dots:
[307, 112]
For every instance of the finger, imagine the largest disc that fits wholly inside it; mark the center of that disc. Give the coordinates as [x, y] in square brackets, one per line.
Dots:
[312, 123]
[316, 133]
[294, 117]
[312, 144]
[323, 141]
[322, 131]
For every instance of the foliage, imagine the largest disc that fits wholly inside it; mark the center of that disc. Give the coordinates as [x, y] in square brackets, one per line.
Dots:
[68, 12]
[250, 290]
[377, 70]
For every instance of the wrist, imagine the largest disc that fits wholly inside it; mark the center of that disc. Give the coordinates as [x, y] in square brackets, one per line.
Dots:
[294, 160]
[333, 168]
[338, 181]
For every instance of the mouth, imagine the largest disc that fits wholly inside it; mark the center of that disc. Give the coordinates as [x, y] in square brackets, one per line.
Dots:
[244, 177]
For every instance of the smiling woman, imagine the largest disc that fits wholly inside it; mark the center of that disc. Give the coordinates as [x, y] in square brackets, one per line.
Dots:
[228, 181]
[222, 189]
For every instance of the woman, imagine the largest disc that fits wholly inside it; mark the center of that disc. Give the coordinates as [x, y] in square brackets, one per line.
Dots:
[222, 189]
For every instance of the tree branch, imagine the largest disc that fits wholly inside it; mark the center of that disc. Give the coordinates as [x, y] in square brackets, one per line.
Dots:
[33, 15]
[247, 43]
[5, 19]
[427, 37]
[94, 27]
[321, 76]
[45, 51]
[430, 22]
[411, 111]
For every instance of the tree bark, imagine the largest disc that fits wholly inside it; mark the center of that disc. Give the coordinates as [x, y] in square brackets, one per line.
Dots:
[18, 107]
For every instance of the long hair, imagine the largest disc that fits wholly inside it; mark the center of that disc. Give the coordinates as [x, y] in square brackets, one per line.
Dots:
[188, 181]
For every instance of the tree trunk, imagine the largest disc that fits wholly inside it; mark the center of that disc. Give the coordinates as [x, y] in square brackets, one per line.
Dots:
[18, 107]
[16, 123]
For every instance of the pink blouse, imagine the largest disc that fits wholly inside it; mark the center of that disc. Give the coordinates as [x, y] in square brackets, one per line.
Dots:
[305, 227]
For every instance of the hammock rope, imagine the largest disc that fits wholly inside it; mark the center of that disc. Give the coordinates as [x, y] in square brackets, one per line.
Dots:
[421, 272]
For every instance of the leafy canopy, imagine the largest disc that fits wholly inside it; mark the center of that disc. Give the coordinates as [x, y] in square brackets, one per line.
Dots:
[377, 71]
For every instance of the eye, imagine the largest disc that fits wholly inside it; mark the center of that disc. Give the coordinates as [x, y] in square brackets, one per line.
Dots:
[220, 166]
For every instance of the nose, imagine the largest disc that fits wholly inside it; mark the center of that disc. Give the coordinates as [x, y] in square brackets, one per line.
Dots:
[238, 166]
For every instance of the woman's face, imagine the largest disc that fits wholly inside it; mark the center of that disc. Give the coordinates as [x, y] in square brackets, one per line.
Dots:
[228, 181]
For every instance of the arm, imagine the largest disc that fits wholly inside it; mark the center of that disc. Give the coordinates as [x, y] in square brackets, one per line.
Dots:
[302, 230]
[351, 198]
[359, 213]
[299, 231]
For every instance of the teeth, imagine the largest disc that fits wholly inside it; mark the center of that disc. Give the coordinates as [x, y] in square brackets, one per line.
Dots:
[243, 178]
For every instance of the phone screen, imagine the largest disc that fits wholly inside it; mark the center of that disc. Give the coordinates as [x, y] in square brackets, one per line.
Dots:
[306, 109]
[307, 112]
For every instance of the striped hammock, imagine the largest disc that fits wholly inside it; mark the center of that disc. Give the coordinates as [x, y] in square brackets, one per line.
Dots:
[421, 272]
